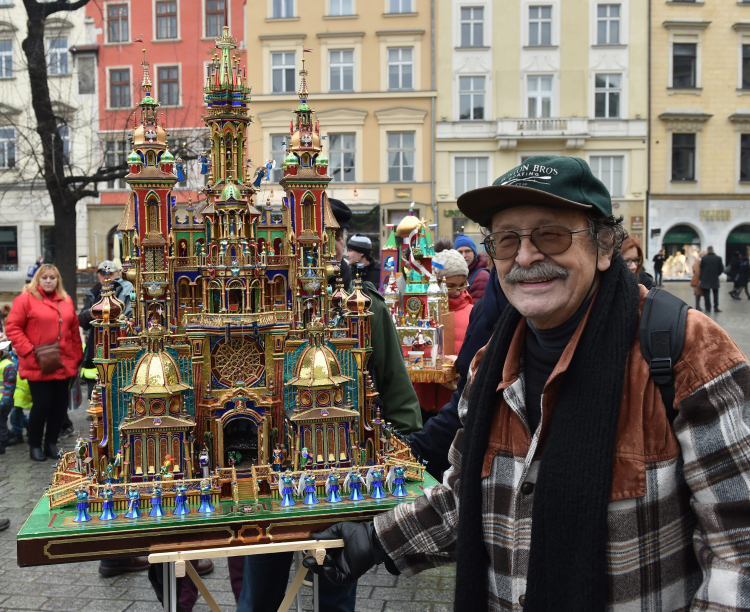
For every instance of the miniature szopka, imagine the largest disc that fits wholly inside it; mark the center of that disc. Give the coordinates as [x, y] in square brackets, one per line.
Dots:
[134, 501]
[332, 488]
[82, 495]
[206, 505]
[108, 504]
[157, 509]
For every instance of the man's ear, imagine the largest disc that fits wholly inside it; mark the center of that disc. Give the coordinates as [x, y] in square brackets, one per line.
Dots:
[604, 260]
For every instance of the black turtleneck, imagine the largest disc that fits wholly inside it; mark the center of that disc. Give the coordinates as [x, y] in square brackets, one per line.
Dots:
[542, 350]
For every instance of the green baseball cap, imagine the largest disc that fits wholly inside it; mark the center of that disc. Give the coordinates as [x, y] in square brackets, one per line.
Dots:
[544, 180]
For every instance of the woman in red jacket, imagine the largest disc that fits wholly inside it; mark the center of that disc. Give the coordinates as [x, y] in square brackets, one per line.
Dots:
[433, 396]
[44, 314]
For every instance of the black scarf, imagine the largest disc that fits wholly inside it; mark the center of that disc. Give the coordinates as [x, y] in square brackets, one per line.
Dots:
[569, 535]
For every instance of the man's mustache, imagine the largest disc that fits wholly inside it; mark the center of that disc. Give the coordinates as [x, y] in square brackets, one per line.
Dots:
[547, 270]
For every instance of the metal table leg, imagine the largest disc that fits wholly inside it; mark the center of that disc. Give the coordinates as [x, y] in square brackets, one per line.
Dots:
[170, 587]
[316, 604]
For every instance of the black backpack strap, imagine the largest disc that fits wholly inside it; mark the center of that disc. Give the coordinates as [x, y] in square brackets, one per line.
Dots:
[662, 336]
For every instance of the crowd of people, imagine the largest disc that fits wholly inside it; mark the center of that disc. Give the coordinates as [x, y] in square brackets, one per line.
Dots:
[573, 474]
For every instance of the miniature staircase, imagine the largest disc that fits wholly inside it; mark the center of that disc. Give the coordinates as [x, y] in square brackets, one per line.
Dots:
[245, 488]
[59, 495]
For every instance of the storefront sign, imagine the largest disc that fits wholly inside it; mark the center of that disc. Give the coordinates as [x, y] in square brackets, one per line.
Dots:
[636, 222]
[713, 214]
[452, 213]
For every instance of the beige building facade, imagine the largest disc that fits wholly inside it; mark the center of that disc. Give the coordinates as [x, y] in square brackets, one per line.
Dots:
[700, 128]
[370, 75]
[523, 78]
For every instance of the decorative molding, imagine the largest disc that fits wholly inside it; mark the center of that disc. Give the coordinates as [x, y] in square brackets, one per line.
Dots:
[684, 121]
[339, 34]
[686, 24]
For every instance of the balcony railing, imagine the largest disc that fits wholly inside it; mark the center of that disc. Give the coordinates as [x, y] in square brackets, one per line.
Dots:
[541, 125]
[206, 319]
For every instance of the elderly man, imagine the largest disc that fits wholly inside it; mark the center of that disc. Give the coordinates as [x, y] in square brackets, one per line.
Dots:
[570, 490]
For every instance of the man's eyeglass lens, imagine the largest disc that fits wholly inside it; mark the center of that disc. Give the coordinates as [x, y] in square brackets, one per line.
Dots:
[549, 239]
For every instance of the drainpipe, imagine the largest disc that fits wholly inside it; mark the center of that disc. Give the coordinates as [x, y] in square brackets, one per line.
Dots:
[433, 204]
[646, 223]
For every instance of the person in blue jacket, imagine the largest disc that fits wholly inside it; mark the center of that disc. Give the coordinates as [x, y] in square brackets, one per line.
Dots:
[434, 440]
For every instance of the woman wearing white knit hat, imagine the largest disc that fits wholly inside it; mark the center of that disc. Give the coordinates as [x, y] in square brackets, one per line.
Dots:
[455, 272]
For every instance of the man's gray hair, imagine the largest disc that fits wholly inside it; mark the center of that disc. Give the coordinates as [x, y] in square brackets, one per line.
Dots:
[607, 233]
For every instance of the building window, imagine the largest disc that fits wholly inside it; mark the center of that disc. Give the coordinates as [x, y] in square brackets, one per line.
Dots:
[341, 159]
[471, 173]
[607, 95]
[400, 6]
[119, 88]
[342, 7]
[341, 69]
[471, 97]
[684, 63]
[115, 155]
[608, 24]
[283, 9]
[683, 157]
[278, 154]
[57, 56]
[8, 248]
[745, 66]
[745, 157]
[401, 156]
[539, 95]
[64, 131]
[608, 169]
[117, 22]
[472, 26]
[86, 74]
[169, 85]
[7, 147]
[282, 72]
[540, 26]
[166, 20]
[6, 59]
[400, 68]
[214, 17]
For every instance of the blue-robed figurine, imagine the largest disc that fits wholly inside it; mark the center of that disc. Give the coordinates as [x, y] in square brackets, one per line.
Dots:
[395, 481]
[286, 488]
[308, 480]
[375, 479]
[83, 506]
[157, 509]
[278, 458]
[179, 169]
[353, 483]
[332, 488]
[204, 163]
[134, 501]
[206, 506]
[108, 504]
[180, 499]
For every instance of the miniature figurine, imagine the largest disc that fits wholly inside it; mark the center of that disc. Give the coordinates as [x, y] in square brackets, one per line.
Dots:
[180, 499]
[286, 488]
[204, 163]
[332, 488]
[305, 458]
[117, 463]
[353, 483]
[82, 496]
[157, 509]
[166, 468]
[308, 480]
[81, 450]
[109, 473]
[135, 501]
[180, 170]
[206, 505]
[395, 481]
[375, 479]
[278, 457]
[204, 462]
[108, 504]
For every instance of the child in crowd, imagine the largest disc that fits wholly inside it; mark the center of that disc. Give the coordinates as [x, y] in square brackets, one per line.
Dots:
[9, 371]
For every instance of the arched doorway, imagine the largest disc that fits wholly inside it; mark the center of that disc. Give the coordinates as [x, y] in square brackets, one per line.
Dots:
[235, 296]
[738, 241]
[240, 442]
[680, 238]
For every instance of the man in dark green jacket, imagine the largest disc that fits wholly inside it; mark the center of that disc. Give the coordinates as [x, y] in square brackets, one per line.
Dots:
[266, 576]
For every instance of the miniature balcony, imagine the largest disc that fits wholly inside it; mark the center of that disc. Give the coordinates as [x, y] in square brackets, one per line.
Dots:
[220, 319]
[190, 262]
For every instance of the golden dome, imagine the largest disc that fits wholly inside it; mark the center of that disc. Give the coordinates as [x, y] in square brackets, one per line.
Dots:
[139, 135]
[358, 302]
[295, 142]
[318, 367]
[407, 225]
[108, 308]
[156, 374]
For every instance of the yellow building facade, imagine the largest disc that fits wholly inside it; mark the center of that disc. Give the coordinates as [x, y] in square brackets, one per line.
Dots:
[700, 129]
[522, 78]
[371, 86]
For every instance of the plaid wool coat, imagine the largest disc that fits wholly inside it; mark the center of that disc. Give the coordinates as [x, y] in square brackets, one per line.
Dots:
[679, 511]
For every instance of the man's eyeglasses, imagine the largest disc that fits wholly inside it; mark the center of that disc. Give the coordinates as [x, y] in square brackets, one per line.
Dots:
[637, 261]
[548, 239]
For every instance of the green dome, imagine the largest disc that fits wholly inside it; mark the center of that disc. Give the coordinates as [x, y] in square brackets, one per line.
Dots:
[134, 158]
[167, 158]
[149, 100]
[291, 160]
[321, 160]
[303, 107]
[231, 191]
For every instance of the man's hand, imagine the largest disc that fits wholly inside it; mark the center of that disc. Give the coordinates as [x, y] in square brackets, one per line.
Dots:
[361, 551]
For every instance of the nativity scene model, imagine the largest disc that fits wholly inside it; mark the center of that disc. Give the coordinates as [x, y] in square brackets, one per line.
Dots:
[241, 385]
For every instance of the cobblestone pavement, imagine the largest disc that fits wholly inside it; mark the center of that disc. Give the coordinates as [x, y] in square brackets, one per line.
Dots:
[79, 587]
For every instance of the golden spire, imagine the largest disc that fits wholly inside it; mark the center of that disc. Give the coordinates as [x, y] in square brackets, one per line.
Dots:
[146, 85]
[303, 93]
